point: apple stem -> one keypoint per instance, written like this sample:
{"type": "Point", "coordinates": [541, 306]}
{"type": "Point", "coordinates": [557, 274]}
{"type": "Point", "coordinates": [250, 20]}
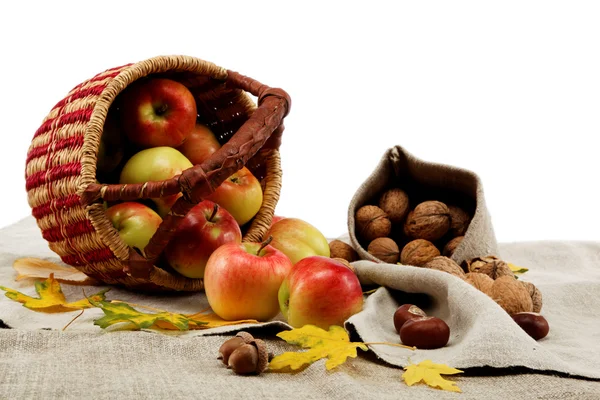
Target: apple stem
{"type": "Point", "coordinates": [214, 212]}
{"type": "Point", "coordinates": [264, 244]}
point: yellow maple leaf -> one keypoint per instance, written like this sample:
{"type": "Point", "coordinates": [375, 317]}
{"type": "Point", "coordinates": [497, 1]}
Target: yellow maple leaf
{"type": "Point", "coordinates": [334, 345]}
{"type": "Point", "coordinates": [36, 268]}
{"type": "Point", "coordinates": [517, 270]}
{"type": "Point", "coordinates": [431, 374]}
{"type": "Point", "coordinates": [51, 298]}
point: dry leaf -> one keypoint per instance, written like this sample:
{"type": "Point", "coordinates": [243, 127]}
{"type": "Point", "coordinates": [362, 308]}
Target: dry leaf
{"type": "Point", "coordinates": [334, 345]}
{"type": "Point", "coordinates": [51, 298]}
{"type": "Point", "coordinates": [119, 312]}
{"type": "Point", "coordinates": [430, 373]}
{"type": "Point", "coordinates": [517, 270]}
{"type": "Point", "coordinates": [36, 268]}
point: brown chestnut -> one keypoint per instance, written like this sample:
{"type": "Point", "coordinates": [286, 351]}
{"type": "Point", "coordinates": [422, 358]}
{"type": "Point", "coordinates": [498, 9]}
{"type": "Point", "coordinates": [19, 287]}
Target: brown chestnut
{"type": "Point", "coordinates": [406, 312]}
{"type": "Point", "coordinates": [534, 324]}
{"type": "Point", "coordinates": [425, 333]}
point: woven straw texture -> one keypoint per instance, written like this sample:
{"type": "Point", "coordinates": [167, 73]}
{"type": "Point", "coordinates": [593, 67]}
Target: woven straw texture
{"type": "Point", "coordinates": [66, 199]}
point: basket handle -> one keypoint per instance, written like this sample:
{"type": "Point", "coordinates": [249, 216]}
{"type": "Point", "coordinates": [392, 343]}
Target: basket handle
{"type": "Point", "coordinates": [262, 130]}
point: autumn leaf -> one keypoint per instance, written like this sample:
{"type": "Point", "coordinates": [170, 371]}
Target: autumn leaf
{"type": "Point", "coordinates": [334, 345]}
{"type": "Point", "coordinates": [36, 268]}
{"type": "Point", "coordinates": [430, 373]}
{"type": "Point", "coordinates": [517, 270]}
{"type": "Point", "coordinates": [119, 312]}
{"type": "Point", "coordinates": [51, 298]}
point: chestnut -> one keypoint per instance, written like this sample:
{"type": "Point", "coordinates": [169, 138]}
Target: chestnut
{"type": "Point", "coordinates": [425, 333]}
{"type": "Point", "coordinates": [406, 312]}
{"type": "Point", "coordinates": [534, 324]}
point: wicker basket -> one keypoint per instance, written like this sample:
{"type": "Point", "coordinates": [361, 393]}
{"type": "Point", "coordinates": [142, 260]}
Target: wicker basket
{"type": "Point", "coordinates": [67, 201]}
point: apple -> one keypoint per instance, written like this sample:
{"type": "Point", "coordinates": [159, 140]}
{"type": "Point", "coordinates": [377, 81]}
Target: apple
{"type": "Point", "coordinates": [135, 222]}
{"type": "Point", "coordinates": [241, 281]}
{"type": "Point", "coordinates": [157, 112]}
{"type": "Point", "coordinates": [205, 227]}
{"type": "Point", "coordinates": [240, 194]}
{"type": "Point", "coordinates": [156, 164]}
{"type": "Point", "coordinates": [200, 144]}
{"type": "Point", "coordinates": [275, 219]}
{"type": "Point", "coordinates": [298, 239]}
{"type": "Point", "coordinates": [320, 291]}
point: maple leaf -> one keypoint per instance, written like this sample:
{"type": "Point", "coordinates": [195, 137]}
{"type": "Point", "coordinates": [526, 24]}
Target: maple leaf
{"type": "Point", "coordinates": [51, 298]}
{"type": "Point", "coordinates": [36, 268]}
{"type": "Point", "coordinates": [430, 373]}
{"type": "Point", "coordinates": [119, 311]}
{"type": "Point", "coordinates": [517, 270]}
{"type": "Point", "coordinates": [334, 345]}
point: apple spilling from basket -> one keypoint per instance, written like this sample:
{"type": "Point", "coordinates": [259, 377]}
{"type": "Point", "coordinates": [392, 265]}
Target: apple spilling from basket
{"type": "Point", "coordinates": [152, 134]}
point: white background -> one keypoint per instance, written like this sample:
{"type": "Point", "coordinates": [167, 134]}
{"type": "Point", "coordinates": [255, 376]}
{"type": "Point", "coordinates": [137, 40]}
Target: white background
{"type": "Point", "coordinates": [507, 89]}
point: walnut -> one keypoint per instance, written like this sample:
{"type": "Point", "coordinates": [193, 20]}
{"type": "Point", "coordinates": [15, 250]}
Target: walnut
{"type": "Point", "coordinates": [445, 264]}
{"type": "Point", "coordinates": [451, 246]}
{"type": "Point", "coordinates": [489, 265]}
{"type": "Point", "coordinates": [395, 203]}
{"type": "Point", "coordinates": [372, 222]}
{"type": "Point", "coordinates": [384, 249]}
{"type": "Point", "coordinates": [459, 221]}
{"type": "Point", "coordinates": [511, 295]}
{"type": "Point", "coordinates": [536, 295]}
{"type": "Point", "coordinates": [346, 264]}
{"type": "Point", "coordinates": [430, 220]}
{"type": "Point", "coordinates": [418, 252]}
{"type": "Point", "coordinates": [339, 249]}
{"type": "Point", "coordinates": [482, 282]}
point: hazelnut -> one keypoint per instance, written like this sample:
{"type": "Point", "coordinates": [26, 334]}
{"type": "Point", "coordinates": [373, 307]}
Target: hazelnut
{"type": "Point", "coordinates": [339, 249]}
{"type": "Point", "coordinates": [395, 203]}
{"type": "Point", "coordinates": [231, 344]}
{"type": "Point", "coordinates": [459, 221]}
{"type": "Point", "coordinates": [418, 252]}
{"type": "Point", "coordinates": [536, 295]}
{"type": "Point", "coordinates": [492, 266]}
{"type": "Point", "coordinates": [445, 264]}
{"type": "Point", "coordinates": [482, 282]}
{"type": "Point", "coordinates": [384, 249]}
{"type": "Point", "coordinates": [430, 220]}
{"type": "Point", "coordinates": [406, 312]}
{"type": "Point", "coordinates": [372, 222]}
{"type": "Point", "coordinates": [533, 323]}
{"type": "Point", "coordinates": [511, 295]}
{"type": "Point", "coordinates": [451, 246]}
{"type": "Point", "coordinates": [425, 333]}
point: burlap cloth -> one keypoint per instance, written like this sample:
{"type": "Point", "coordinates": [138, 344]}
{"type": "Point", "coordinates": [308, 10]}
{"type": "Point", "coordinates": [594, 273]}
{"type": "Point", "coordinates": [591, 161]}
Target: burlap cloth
{"type": "Point", "coordinates": [39, 360]}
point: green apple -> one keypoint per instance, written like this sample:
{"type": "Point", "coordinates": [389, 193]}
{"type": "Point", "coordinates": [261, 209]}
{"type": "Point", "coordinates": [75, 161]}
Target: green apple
{"type": "Point", "coordinates": [135, 222]}
{"type": "Point", "coordinates": [298, 239]}
{"type": "Point", "coordinates": [156, 164]}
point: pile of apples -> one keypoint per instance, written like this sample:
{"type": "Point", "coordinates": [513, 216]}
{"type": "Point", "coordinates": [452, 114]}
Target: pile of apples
{"type": "Point", "coordinates": [152, 133]}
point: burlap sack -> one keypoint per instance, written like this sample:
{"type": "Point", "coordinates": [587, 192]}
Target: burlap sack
{"type": "Point", "coordinates": [428, 181]}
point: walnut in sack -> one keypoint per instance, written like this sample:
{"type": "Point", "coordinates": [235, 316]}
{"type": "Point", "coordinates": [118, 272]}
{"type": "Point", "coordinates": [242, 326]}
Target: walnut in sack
{"type": "Point", "coordinates": [395, 203]}
{"type": "Point", "coordinates": [459, 220]}
{"type": "Point", "coordinates": [445, 264]}
{"type": "Point", "coordinates": [451, 246]}
{"type": "Point", "coordinates": [418, 252]}
{"type": "Point", "coordinates": [339, 249]}
{"type": "Point", "coordinates": [479, 281]}
{"type": "Point", "coordinates": [511, 295]}
{"type": "Point", "coordinates": [372, 222]}
{"type": "Point", "coordinates": [384, 249]}
{"type": "Point", "coordinates": [430, 220]}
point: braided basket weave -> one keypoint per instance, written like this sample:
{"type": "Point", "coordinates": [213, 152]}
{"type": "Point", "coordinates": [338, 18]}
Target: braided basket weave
{"type": "Point", "coordinates": [67, 201]}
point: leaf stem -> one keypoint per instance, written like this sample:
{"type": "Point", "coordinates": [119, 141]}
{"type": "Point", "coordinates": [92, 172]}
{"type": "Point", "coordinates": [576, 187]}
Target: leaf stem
{"type": "Point", "coordinates": [391, 344]}
{"type": "Point", "coordinates": [73, 320]}
{"type": "Point", "coordinates": [141, 306]}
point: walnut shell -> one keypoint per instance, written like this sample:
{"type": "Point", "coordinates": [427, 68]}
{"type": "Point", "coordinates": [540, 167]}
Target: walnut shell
{"type": "Point", "coordinates": [445, 264]}
{"type": "Point", "coordinates": [536, 296]}
{"type": "Point", "coordinates": [418, 252]}
{"type": "Point", "coordinates": [430, 220]}
{"type": "Point", "coordinates": [459, 221]}
{"type": "Point", "coordinates": [372, 222]}
{"type": "Point", "coordinates": [482, 282]}
{"type": "Point", "coordinates": [492, 266]}
{"type": "Point", "coordinates": [511, 295]}
{"type": "Point", "coordinates": [395, 203]}
{"type": "Point", "coordinates": [339, 249]}
{"type": "Point", "coordinates": [346, 264]}
{"type": "Point", "coordinates": [384, 249]}
{"type": "Point", "coordinates": [451, 246]}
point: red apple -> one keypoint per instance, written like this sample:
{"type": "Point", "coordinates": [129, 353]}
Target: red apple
{"type": "Point", "coordinates": [320, 291]}
{"type": "Point", "coordinates": [199, 145]}
{"type": "Point", "coordinates": [155, 164]}
{"type": "Point", "coordinates": [298, 239]}
{"type": "Point", "coordinates": [135, 222]}
{"type": "Point", "coordinates": [275, 219]}
{"type": "Point", "coordinates": [241, 281]}
{"type": "Point", "coordinates": [205, 227]}
{"type": "Point", "coordinates": [240, 194]}
{"type": "Point", "coordinates": [158, 112]}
